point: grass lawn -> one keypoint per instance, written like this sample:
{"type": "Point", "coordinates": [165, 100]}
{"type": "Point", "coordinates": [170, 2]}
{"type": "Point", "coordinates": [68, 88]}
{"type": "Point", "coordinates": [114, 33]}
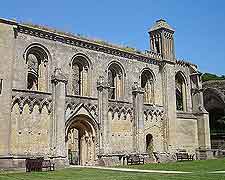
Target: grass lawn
{"type": "Point", "coordinates": [200, 171]}
{"type": "Point", "coordinates": [189, 166]}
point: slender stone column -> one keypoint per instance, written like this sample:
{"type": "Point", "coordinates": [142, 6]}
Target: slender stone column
{"type": "Point", "coordinates": [138, 123]}
{"type": "Point", "coordinates": [105, 124]}
{"type": "Point", "coordinates": [169, 103]}
{"type": "Point", "coordinates": [58, 124]}
{"type": "Point", "coordinates": [200, 112]}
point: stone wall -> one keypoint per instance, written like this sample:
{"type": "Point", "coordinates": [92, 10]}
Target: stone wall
{"type": "Point", "coordinates": [122, 134]}
{"type": "Point", "coordinates": [187, 133]}
{"type": "Point", "coordinates": [30, 131]}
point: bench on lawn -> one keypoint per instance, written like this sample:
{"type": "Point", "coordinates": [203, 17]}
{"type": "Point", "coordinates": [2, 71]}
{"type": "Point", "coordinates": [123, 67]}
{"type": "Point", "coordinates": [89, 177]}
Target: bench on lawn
{"type": "Point", "coordinates": [135, 159]}
{"type": "Point", "coordinates": [48, 165]}
{"type": "Point", "coordinates": [37, 164]}
{"type": "Point", "coordinates": [184, 156]}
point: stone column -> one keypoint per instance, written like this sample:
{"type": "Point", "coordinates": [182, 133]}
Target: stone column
{"type": "Point", "coordinates": [85, 81]}
{"type": "Point", "coordinates": [58, 124]}
{"type": "Point", "coordinates": [200, 113]}
{"type": "Point", "coordinates": [105, 124]}
{"type": "Point", "coordinates": [138, 123]}
{"type": "Point", "coordinates": [169, 103]}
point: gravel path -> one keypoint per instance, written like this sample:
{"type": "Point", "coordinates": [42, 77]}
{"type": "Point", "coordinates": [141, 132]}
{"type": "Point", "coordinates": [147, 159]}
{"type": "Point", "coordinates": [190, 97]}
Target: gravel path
{"type": "Point", "coordinates": [133, 170]}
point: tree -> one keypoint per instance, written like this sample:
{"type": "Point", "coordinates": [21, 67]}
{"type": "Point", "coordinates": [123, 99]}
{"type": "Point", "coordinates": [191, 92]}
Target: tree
{"type": "Point", "coordinates": [209, 77]}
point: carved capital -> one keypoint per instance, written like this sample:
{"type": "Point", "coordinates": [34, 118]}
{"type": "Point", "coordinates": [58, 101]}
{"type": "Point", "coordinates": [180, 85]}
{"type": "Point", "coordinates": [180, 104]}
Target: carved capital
{"type": "Point", "coordinates": [136, 89]}
{"type": "Point", "coordinates": [59, 76]}
{"type": "Point", "coordinates": [102, 84]}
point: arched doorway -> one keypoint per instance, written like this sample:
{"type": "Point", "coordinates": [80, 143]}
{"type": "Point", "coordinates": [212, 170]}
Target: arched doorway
{"type": "Point", "coordinates": [215, 105]}
{"type": "Point", "coordinates": [81, 141]}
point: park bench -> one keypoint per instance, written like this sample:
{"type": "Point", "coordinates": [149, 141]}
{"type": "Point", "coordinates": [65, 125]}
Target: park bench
{"type": "Point", "coordinates": [37, 164]}
{"type": "Point", "coordinates": [48, 165]}
{"type": "Point", "coordinates": [135, 159]}
{"type": "Point", "coordinates": [184, 156]}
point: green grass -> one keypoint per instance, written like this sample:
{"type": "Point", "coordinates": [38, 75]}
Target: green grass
{"type": "Point", "coordinates": [200, 171]}
{"type": "Point", "coordinates": [189, 166]}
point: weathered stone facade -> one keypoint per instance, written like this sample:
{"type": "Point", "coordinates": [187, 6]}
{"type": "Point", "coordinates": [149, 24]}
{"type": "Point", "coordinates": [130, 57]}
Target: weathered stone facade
{"type": "Point", "coordinates": [214, 102]}
{"type": "Point", "coordinates": [68, 98]}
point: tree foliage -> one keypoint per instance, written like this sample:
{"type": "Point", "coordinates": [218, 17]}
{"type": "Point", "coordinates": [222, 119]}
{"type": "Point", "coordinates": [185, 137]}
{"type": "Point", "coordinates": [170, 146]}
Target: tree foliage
{"type": "Point", "coordinates": [209, 76]}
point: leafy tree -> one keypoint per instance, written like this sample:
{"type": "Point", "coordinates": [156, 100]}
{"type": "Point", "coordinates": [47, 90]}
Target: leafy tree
{"type": "Point", "coordinates": [209, 76]}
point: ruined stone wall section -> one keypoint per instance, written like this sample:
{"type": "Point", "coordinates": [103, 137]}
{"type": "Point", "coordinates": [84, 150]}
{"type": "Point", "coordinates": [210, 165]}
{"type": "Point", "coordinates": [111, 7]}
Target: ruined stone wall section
{"type": "Point", "coordinates": [30, 131]}
{"type": "Point", "coordinates": [31, 115]}
{"type": "Point", "coordinates": [187, 134]}
{"type": "Point", "coordinates": [121, 133]}
{"type": "Point", "coordinates": [155, 125]}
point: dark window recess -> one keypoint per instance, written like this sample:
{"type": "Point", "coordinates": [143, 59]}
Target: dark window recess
{"type": "Point", "coordinates": [157, 47]}
{"type": "Point", "coordinates": [1, 84]}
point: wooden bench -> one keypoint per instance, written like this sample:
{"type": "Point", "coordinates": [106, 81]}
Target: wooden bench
{"type": "Point", "coordinates": [135, 159]}
{"type": "Point", "coordinates": [33, 164]}
{"type": "Point", "coordinates": [37, 164]}
{"type": "Point", "coordinates": [184, 156]}
{"type": "Point", "coordinates": [48, 165]}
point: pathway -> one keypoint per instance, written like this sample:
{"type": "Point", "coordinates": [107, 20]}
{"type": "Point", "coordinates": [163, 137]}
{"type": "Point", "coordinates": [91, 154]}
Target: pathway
{"type": "Point", "coordinates": [133, 170]}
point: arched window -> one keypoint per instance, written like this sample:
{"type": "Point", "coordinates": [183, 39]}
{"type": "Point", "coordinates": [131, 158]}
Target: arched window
{"type": "Point", "coordinates": [180, 92]}
{"type": "Point", "coordinates": [80, 76]}
{"type": "Point", "coordinates": [36, 59]}
{"type": "Point", "coordinates": [115, 81]}
{"type": "Point", "coordinates": [148, 86]}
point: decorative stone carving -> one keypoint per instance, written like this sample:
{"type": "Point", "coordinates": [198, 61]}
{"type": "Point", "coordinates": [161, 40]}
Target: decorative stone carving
{"type": "Point", "coordinates": [25, 97]}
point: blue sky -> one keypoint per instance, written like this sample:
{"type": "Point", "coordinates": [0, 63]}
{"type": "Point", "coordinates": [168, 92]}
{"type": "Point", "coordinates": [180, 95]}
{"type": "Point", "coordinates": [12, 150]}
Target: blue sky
{"type": "Point", "coordinates": [199, 24]}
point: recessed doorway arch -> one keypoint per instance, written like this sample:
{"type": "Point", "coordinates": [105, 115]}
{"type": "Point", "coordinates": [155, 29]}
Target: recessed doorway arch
{"type": "Point", "coordinates": [214, 102]}
{"type": "Point", "coordinates": [81, 136]}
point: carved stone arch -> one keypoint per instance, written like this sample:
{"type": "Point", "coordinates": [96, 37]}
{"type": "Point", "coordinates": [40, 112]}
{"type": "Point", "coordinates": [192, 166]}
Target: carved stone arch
{"type": "Point", "coordinates": [38, 60]}
{"type": "Point", "coordinates": [116, 80]}
{"type": "Point", "coordinates": [181, 73]}
{"type": "Point", "coordinates": [214, 103]}
{"type": "Point", "coordinates": [181, 91]}
{"type": "Point", "coordinates": [150, 71]}
{"type": "Point", "coordinates": [124, 112]}
{"type": "Point", "coordinates": [84, 56]}
{"type": "Point", "coordinates": [118, 64]}
{"type": "Point", "coordinates": [210, 93]}
{"type": "Point", "coordinates": [36, 102]}
{"type": "Point", "coordinates": [38, 46]}
{"type": "Point", "coordinates": [82, 110]}
{"type": "Point", "coordinates": [28, 101]}
{"type": "Point", "coordinates": [17, 100]}
{"type": "Point", "coordinates": [29, 105]}
{"type": "Point", "coordinates": [112, 111]}
{"type": "Point", "coordinates": [147, 82]}
{"type": "Point", "coordinates": [46, 102]}
{"type": "Point", "coordinates": [80, 77]}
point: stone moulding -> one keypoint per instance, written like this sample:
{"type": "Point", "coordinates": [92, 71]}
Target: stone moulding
{"type": "Point", "coordinates": [32, 98]}
{"type": "Point", "coordinates": [120, 107]}
{"type": "Point", "coordinates": [150, 57]}
{"type": "Point", "coordinates": [72, 102]}
{"type": "Point", "coordinates": [186, 115]}
{"type": "Point", "coordinates": [185, 63]}
{"type": "Point", "coordinates": [153, 110]}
